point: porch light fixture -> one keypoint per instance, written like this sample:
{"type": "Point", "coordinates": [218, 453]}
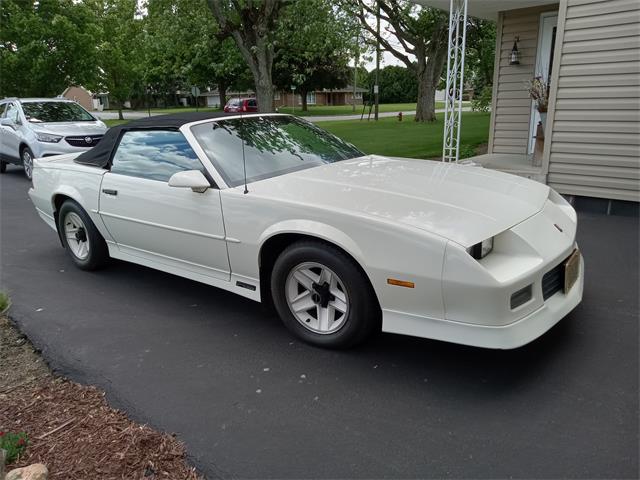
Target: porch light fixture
{"type": "Point", "coordinates": [515, 54]}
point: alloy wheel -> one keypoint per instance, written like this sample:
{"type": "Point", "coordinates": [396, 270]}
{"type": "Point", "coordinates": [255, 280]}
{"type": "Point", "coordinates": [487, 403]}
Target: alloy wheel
{"type": "Point", "coordinates": [317, 298]}
{"type": "Point", "coordinates": [27, 162]}
{"type": "Point", "coordinates": [76, 234]}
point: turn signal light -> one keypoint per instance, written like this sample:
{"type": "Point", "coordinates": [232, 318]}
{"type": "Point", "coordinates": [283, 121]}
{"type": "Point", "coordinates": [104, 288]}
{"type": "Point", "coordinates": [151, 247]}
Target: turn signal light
{"type": "Point", "coordinates": [400, 283]}
{"type": "Point", "coordinates": [521, 297]}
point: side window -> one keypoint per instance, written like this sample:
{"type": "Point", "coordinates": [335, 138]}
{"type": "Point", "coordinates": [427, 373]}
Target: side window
{"type": "Point", "coordinates": [253, 103]}
{"type": "Point", "coordinates": [11, 112]}
{"type": "Point", "coordinates": [154, 154]}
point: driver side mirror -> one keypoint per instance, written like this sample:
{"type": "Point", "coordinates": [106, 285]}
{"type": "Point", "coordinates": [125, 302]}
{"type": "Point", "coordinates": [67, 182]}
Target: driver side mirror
{"type": "Point", "coordinates": [193, 179]}
{"type": "Point", "coordinates": [7, 122]}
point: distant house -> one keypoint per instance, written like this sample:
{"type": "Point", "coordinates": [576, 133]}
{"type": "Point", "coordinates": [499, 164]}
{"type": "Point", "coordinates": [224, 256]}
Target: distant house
{"type": "Point", "coordinates": [336, 96]}
{"type": "Point", "coordinates": [90, 101]}
{"type": "Point", "coordinates": [80, 95]}
{"type": "Point", "coordinates": [588, 51]}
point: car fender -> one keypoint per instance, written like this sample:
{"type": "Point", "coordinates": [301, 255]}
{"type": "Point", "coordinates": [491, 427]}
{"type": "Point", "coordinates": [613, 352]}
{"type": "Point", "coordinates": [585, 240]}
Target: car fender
{"type": "Point", "coordinates": [317, 229]}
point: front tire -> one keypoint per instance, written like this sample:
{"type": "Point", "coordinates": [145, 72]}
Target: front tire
{"type": "Point", "coordinates": [322, 296]}
{"type": "Point", "coordinates": [3, 166]}
{"type": "Point", "coordinates": [27, 162]}
{"type": "Point", "coordinates": [81, 238]}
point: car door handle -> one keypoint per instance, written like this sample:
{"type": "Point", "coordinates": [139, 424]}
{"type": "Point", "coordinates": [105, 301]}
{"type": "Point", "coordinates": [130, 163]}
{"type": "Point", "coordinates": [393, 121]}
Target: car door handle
{"type": "Point", "coordinates": [108, 191]}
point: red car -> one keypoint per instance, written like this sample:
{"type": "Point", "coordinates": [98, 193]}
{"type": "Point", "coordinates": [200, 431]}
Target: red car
{"type": "Point", "coordinates": [241, 105]}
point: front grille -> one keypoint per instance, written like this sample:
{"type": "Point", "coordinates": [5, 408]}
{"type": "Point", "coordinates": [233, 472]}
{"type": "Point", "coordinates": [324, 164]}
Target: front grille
{"type": "Point", "coordinates": [553, 281]}
{"type": "Point", "coordinates": [81, 141]}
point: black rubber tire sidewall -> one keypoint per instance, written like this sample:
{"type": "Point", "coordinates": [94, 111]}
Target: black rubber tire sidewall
{"type": "Point", "coordinates": [98, 250]}
{"type": "Point", "coordinates": [3, 166]}
{"type": "Point", "coordinates": [364, 312]}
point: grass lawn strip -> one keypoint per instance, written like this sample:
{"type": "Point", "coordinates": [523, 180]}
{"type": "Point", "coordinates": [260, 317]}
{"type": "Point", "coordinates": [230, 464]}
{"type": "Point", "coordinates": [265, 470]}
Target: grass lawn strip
{"type": "Point", "coordinates": [71, 428]}
{"type": "Point", "coordinates": [409, 139]}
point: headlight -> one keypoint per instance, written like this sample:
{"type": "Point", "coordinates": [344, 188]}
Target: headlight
{"type": "Point", "coordinates": [482, 249]}
{"type": "Point", "coordinates": [48, 137]}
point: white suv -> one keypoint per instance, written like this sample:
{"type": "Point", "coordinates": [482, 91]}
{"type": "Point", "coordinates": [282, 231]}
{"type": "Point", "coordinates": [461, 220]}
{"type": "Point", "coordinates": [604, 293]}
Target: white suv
{"type": "Point", "coordinates": [41, 127]}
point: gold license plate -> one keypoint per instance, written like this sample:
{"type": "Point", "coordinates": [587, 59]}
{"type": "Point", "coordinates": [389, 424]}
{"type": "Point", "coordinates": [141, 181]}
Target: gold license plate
{"type": "Point", "coordinates": [571, 270]}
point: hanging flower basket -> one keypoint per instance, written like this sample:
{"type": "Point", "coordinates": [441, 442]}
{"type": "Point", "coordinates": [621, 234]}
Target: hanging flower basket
{"type": "Point", "coordinates": [538, 90]}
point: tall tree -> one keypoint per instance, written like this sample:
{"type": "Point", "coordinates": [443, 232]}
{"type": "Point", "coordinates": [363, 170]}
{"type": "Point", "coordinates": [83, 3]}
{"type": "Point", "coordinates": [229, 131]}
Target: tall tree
{"type": "Point", "coordinates": [397, 84]}
{"type": "Point", "coordinates": [480, 53]}
{"type": "Point", "coordinates": [252, 25]}
{"type": "Point", "coordinates": [183, 48]}
{"type": "Point", "coordinates": [45, 46]}
{"type": "Point", "coordinates": [316, 42]}
{"type": "Point", "coordinates": [421, 32]}
{"type": "Point", "coordinates": [118, 49]}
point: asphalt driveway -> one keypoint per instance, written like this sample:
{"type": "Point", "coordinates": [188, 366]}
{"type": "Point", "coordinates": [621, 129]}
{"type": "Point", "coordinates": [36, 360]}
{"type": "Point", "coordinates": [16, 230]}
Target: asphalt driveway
{"type": "Point", "coordinates": [249, 401]}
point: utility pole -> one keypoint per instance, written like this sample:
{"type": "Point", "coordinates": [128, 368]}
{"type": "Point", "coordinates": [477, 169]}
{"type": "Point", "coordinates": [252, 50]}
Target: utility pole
{"type": "Point", "coordinates": [355, 71]}
{"type": "Point", "coordinates": [376, 87]}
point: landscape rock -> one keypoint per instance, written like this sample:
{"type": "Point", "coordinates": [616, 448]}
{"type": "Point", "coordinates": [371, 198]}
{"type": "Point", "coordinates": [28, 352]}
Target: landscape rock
{"type": "Point", "coordinates": [37, 471]}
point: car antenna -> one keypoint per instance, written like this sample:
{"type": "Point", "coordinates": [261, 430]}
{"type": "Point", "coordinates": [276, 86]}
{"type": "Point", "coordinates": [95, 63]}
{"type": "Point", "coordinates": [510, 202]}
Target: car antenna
{"type": "Point", "coordinates": [244, 161]}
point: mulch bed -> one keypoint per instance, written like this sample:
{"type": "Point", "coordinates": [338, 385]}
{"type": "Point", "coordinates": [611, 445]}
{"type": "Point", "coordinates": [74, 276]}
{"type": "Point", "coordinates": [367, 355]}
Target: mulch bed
{"type": "Point", "coordinates": [72, 429]}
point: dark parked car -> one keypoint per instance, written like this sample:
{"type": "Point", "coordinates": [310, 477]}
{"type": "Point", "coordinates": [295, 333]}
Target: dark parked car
{"type": "Point", "coordinates": [241, 105]}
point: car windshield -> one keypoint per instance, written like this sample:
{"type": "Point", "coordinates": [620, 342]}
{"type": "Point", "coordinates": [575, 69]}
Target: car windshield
{"type": "Point", "coordinates": [37, 112]}
{"type": "Point", "coordinates": [273, 145]}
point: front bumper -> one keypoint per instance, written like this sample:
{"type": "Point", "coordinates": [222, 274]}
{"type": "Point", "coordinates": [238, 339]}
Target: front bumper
{"type": "Point", "coordinates": [504, 337]}
{"type": "Point", "coordinates": [45, 149]}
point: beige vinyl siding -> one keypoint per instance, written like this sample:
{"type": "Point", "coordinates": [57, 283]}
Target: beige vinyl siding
{"type": "Point", "coordinates": [595, 142]}
{"type": "Point", "coordinates": [511, 109]}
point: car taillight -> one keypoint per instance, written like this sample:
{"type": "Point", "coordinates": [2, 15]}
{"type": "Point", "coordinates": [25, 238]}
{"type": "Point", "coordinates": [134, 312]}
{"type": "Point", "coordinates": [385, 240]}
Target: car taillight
{"type": "Point", "coordinates": [244, 108]}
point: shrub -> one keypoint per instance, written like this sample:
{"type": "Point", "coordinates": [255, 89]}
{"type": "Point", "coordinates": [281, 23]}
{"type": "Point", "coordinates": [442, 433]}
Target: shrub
{"type": "Point", "coordinates": [14, 444]}
{"type": "Point", "coordinates": [4, 301]}
{"type": "Point", "coordinates": [466, 151]}
{"type": "Point", "coordinates": [482, 103]}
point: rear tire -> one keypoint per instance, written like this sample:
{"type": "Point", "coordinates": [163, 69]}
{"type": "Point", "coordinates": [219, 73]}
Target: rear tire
{"type": "Point", "coordinates": [81, 238]}
{"type": "Point", "coordinates": [3, 166]}
{"type": "Point", "coordinates": [322, 296]}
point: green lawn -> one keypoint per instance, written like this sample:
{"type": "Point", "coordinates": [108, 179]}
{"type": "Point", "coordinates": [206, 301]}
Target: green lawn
{"type": "Point", "coordinates": [113, 123]}
{"type": "Point", "coordinates": [408, 138]}
{"type": "Point", "coordinates": [313, 109]}
{"type": "Point", "coordinates": [348, 109]}
{"type": "Point", "coordinates": [390, 137]}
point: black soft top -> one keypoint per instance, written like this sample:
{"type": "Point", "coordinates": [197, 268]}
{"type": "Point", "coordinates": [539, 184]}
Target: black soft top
{"type": "Point", "coordinates": [100, 155]}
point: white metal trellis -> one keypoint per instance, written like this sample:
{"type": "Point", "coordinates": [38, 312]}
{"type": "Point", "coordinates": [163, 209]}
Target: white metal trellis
{"type": "Point", "coordinates": [455, 80]}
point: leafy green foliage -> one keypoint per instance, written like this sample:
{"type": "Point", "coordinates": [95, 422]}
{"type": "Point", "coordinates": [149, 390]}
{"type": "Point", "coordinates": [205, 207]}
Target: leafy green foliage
{"type": "Point", "coordinates": [4, 301]}
{"type": "Point", "coordinates": [315, 43]}
{"type": "Point", "coordinates": [397, 84]}
{"type": "Point", "coordinates": [14, 444]}
{"type": "Point", "coordinates": [119, 47]}
{"type": "Point", "coordinates": [480, 53]}
{"type": "Point", "coordinates": [482, 102]}
{"type": "Point", "coordinates": [182, 49]}
{"type": "Point", "coordinates": [45, 46]}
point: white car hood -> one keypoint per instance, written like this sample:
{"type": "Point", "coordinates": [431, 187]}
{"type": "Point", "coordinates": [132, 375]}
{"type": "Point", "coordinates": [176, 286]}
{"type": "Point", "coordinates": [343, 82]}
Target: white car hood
{"type": "Point", "coordinates": [465, 204]}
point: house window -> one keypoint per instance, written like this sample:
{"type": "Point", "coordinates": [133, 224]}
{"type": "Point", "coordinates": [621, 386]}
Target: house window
{"type": "Point", "coordinates": [311, 98]}
{"type": "Point", "coordinates": [358, 95]}
{"type": "Point", "coordinates": [276, 95]}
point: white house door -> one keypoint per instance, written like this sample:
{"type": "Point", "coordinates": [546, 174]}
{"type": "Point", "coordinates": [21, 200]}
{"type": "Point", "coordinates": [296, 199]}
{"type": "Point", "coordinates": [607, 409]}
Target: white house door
{"type": "Point", "coordinates": [544, 63]}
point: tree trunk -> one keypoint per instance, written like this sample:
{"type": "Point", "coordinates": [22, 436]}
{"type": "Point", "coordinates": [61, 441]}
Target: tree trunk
{"type": "Point", "coordinates": [120, 117]}
{"type": "Point", "coordinates": [428, 73]}
{"type": "Point", "coordinates": [303, 98]}
{"type": "Point", "coordinates": [222, 90]}
{"type": "Point", "coordinates": [264, 96]}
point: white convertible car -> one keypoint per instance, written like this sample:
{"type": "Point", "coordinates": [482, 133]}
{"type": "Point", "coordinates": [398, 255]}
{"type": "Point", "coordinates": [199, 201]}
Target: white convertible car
{"type": "Point", "coordinates": [273, 208]}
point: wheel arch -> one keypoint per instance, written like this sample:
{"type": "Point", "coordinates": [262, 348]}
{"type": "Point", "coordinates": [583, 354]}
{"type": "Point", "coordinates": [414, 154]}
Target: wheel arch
{"type": "Point", "coordinates": [21, 148]}
{"type": "Point", "coordinates": [57, 200]}
{"type": "Point", "coordinates": [273, 245]}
